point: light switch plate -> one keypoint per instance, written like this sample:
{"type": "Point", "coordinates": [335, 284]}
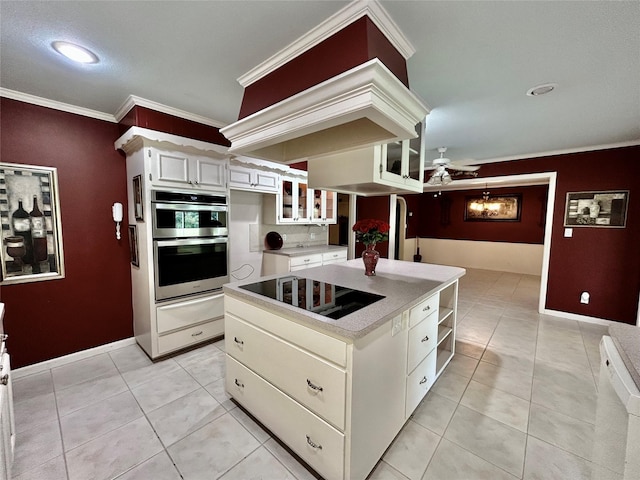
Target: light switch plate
{"type": "Point", "coordinates": [568, 232]}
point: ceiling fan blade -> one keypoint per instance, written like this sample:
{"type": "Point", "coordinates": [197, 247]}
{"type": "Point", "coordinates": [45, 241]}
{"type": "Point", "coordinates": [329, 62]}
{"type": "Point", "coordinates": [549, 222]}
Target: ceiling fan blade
{"type": "Point", "coordinates": [463, 168]}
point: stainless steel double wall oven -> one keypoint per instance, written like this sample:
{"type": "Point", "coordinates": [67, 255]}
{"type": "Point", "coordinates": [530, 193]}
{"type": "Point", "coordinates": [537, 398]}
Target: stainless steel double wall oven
{"type": "Point", "coordinates": [190, 242]}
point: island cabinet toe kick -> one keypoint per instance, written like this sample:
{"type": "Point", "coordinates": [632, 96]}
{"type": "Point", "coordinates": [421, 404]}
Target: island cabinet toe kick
{"type": "Point", "coordinates": [337, 402]}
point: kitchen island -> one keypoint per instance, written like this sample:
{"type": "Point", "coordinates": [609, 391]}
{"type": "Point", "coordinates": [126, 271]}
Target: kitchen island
{"type": "Point", "coordinates": [334, 362]}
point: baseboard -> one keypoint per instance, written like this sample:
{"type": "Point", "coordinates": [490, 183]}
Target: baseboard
{"type": "Point", "coordinates": [72, 357]}
{"type": "Point", "coordinates": [580, 318]}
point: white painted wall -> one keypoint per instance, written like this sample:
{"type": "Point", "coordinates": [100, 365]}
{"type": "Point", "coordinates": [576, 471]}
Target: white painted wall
{"type": "Point", "coordinates": [520, 258]}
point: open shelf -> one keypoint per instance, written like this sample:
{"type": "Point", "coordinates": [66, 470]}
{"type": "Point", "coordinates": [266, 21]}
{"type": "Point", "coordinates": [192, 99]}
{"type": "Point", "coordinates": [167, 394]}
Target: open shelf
{"type": "Point", "coordinates": [442, 359]}
{"type": "Point", "coordinates": [444, 313]}
{"type": "Point", "coordinates": [443, 333]}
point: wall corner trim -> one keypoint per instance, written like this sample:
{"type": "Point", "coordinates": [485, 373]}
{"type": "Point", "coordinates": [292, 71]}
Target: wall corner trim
{"type": "Point", "coordinates": [72, 357]}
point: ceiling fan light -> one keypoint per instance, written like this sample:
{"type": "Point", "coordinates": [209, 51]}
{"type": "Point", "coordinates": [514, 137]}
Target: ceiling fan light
{"type": "Point", "coordinates": [446, 178]}
{"type": "Point", "coordinates": [434, 180]}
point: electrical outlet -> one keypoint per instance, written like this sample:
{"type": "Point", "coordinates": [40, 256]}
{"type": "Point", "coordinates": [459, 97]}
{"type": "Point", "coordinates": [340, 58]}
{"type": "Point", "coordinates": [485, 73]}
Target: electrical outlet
{"type": "Point", "coordinates": [584, 297]}
{"type": "Point", "coordinates": [284, 237]}
{"type": "Point", "coordinates": [396, 325]}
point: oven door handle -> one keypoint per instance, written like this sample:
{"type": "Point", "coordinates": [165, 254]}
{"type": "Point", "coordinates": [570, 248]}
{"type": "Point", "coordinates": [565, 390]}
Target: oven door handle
{"type": "Point", "coordinates": [189, 206]}
{"type": "Point", "coordinates": [190, 241]}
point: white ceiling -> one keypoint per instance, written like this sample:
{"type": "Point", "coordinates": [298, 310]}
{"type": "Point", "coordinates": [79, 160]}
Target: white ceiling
{"type": "Point", "coordinates": [474, 61]}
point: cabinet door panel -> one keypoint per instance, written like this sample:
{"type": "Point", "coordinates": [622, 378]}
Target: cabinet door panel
{"type": "Point", "coordinates": [267, 180]}
{"type": "Point", "coordinates": [172, 168]}
{"type": "Point", "coordinates": [313, 382]}
{"type": "Point", "coordinates": [422, 339]}
{"type": "Point", "coordinates": [423, 310]}
{"type": "Point", "coordinates": [210, 173]}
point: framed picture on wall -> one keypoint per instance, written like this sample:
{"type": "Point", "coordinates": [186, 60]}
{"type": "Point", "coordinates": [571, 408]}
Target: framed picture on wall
{"type": "Point", "coordinates": [488, 208]}
{"type": "Point", "coordinates": [597, 209]}
{"type": "Point", "coordinates": [137, 198]}
{"type": "Point", "coordinates": [133, 245]}
{"type": "Point", "coordinates": [31, 247]}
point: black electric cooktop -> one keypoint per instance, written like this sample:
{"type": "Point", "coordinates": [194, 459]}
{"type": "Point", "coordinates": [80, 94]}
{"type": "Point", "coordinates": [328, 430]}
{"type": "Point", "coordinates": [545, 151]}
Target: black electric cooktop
{"type": "Point", "coordinates": [330, 300]}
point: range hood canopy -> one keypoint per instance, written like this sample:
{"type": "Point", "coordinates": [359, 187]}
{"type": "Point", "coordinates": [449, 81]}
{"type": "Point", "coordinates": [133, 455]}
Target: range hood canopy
{"type": "Point", "coordinates": [364, 105]}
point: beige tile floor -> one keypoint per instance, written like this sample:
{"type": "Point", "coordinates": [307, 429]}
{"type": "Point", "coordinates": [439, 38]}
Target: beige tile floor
{"type": "Point", "coordinates": [517, 401]}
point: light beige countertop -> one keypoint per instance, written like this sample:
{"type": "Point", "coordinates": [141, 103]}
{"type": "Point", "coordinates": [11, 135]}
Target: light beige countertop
{"type": "Point", "coordinates": [404, 284]}
{"type": "Point", "coordinates": [300, 251]}
{"type": "Point", "coordinates": [627, 340]}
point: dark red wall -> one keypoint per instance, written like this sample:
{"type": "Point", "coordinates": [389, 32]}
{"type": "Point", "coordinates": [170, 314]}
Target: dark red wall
{"type": "Point", "coordinates": [443, 217]}
{"type": "Point", "coordinates": [376, 208]}
{"type": "Point", "coordinates": [144, 117]}
{"type": "Point", "coordinates": [91, 306]}
{"type": "Point", "coordinates": [352, 46]}
{"type": "Point", "coordinates": [602, 261]}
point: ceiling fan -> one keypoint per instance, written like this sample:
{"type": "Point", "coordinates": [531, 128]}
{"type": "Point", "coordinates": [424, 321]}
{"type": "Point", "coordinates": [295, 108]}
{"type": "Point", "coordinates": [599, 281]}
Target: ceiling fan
{"type": "Point", "coordinates": [442, 165]}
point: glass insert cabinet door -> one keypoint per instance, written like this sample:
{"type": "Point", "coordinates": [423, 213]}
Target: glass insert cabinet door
{"type": "Point", "coordinates": [404, 159]}
{"type": "Point", "coordinates": [294, 200]}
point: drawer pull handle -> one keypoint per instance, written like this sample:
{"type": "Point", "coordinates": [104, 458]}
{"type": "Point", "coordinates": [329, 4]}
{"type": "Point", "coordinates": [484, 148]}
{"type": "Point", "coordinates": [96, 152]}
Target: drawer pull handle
{"type": "Point", "coordinates": [4, 379]}
{"type": "Point", "coordinates": [314, 387]}
{"type": "Point", "coordinates": [427, 308]}
{"type": "Point", "coordinates": [317, 446]}
{"type": "Point", "coordinates": [424, 380]}
{"type": "Point", "coordinates": [196, 334]}
{"type": "Point", "coordinates": [425, 339]}
{"type": "Point", "coordinates": [239, 384]}
{"type": "Point", "coordinates": [239, 342]}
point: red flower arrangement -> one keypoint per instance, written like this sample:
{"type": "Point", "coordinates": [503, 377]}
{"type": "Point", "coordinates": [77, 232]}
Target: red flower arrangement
{"type": "Point", "coordinates": [371, 231]}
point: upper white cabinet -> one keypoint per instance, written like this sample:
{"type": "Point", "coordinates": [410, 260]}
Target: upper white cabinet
{"type": "Point", "coordinates": [253, 179]}
{"type": "Point", "coordinates": [173, 168]}
{"type": "Point", "coordinates": [296, 203]}
{"type": "Point", "coordinates": [396, 167]}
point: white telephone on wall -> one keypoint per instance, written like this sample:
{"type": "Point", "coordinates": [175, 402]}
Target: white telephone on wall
{"type": "Point", "coordinates": [117, 212]}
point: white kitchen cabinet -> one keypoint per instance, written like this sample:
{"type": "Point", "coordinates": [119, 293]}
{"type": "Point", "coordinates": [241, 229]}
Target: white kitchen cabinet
{"type": "Point", "coordinates": [178, 169]}
{"type": "Point", "coordinates": [297, 204]}
{"type": "Point", "coordinates": [283, 263]}
{"type": "Point", "coordinates": [447, 311]}
{"type": "Point", "coordinates": [169, 162]}
{"type": "Point", "coordinates": [253, 179]}
{"type": "Point", "coordinates": [7, 419]}
{"type": "Point", "coordinates": [337, 403]}
{"type": "Point", "coordinates": [396, 167]}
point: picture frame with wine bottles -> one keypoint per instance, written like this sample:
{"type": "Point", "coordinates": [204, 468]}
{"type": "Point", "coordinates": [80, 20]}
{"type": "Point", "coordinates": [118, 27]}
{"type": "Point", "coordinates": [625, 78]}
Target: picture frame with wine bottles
{"type": "Point", "coordinates": [31, 231]}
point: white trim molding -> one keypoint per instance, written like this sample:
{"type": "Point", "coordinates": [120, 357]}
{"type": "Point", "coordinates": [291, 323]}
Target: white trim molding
{"type": "Point", "coordinates": [130, 141]}
{"type": "Point", "coordinates": [133, 101]}
{"type": "Point", "coordinates": [579, 318]}
{"type": "Point", "coordinates": [349, 14]}
{"type": "Point", "coordinates": [55, 105]}
{"type": "Point", "coordinates": [72, 357]}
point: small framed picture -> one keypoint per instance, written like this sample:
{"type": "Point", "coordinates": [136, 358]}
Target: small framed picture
{"type": "Point", "coordinates": [133, 245]}
{"type": "Point", "coordinates": [502, 208]}
{"type": "Point", "coordinates": [597, 209]}
{"type": "Point", "coordinates": [137, 198]}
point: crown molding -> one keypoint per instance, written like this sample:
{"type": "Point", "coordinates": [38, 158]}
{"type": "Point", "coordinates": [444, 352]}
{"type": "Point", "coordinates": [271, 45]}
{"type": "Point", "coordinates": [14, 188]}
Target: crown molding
{"type": "Point", "coordinates": [55, 105]}
{"type": "Point", "coordinates": [349, 14]}
{"type": "Point", "coordinates": [551, 153]}
{"type": "Point", "coordinates": [133, 101]}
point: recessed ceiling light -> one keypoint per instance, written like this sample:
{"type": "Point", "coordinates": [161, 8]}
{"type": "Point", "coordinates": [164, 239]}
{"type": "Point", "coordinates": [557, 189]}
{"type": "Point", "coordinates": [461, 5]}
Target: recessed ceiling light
{"type": "Point", "coordinates": [75, 52]}
{"type": "Point", "coordinates": [541, 89]}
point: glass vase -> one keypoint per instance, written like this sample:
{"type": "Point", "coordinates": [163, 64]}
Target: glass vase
{"type": "Point", "coordinates": [370, 258]}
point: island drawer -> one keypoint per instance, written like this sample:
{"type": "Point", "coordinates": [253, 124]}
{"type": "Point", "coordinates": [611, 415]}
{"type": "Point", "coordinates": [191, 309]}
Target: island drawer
{"type": "Point", "coordinates": [186, 313]}
{"type": "Point", "coordinates": [422, 339]}
{"type": "Point", "coordinates": [315, 441]}
{"type": "Point", "coordinates": [312, 381]}
{"type": "Point", "coordinates": [190, 336]}
{"type": "Point", "coordinates": [419, 382]}
{"type": "Point", "coordinates": [423, 310]}
{"type": "Point", "coordinates": [324, 346]}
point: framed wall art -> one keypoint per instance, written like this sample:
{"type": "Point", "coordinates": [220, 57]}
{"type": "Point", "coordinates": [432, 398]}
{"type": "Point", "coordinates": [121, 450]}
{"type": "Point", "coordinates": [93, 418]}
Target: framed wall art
{"type": "Point", "coordinates": [597, 209]}
{"type": "Point", "coordinates": [137, 198]}
{"type": "Point", "coordinates": [133, 245]}
{"type": "Point", "coordinates": [31, 247]}
{"type": "Point", "coordinates": [487, 208]}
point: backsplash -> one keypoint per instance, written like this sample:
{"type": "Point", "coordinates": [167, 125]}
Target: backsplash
{"type": "Point", "coordinates": [292, 235]}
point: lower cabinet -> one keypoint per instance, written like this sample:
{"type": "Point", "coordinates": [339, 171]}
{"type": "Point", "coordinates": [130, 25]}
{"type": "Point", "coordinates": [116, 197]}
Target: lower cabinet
{"type": "Point", "coordinates": [337, 403]}
{"type": "Point", "coordinates": [278, 263]}
{"type": "Point", "coordinates": [164, 328]}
